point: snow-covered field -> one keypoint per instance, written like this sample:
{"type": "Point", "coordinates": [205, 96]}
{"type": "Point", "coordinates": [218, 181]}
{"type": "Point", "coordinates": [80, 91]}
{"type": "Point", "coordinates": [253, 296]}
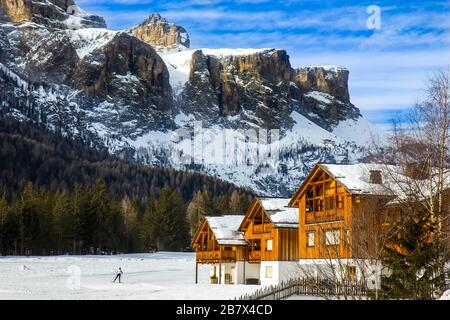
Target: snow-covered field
{"type": "Point", "coordinates": [161, 275]}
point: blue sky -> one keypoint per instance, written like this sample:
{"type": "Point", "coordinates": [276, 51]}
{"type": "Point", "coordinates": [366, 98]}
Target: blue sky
{"type": "Point", "coordinates": [389, 67]}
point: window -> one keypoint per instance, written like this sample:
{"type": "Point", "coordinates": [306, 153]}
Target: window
{"type": "Point", "coordinates": [332, 237]}
{"type": "Point", "coordinates": [330, 203]}
{"type": "Point", "coordinates": [347, 237]}
{"type": "Point", "coordinates": [268, 271]}
{"type": "Point", "coordinates": [269, 245]}
{"type": "Point", "coordinates": [310, 238]}
{"type": "Point", "coordinates": [256, 244]}
{"type": "Point", "coordinates": [340, 202]}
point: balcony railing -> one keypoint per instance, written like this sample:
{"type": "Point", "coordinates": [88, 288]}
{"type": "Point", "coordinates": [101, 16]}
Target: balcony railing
{"type": "Point", "coordinates": [254, 255]}
{"type": "Point", "coordinates": [262, 228]}
{"type": "Point", "coordinates": [210, 256]}
{"type": "Point", "coordinates": [324, 216]}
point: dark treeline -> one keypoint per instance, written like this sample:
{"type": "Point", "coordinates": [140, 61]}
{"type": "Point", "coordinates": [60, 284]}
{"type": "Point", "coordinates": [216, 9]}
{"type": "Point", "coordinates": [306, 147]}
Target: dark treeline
{"type": "Point", "coordinates": [59, 196]}
{"type": "Point", "coordinates": [31, 153]}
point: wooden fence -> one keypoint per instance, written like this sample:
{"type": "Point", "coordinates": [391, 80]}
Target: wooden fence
{"type": "Point", "coordinates": [308, 287]}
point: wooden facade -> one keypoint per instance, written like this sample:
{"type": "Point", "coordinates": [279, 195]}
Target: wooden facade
{"type": "Point", "coordinates": [267, 241]}
{"type": "Point", "coordinates": [209, 251]}
{"type": "Point", "coordinates": [335, 223]}
{"type": "Point", "coordinates": [339, 212]}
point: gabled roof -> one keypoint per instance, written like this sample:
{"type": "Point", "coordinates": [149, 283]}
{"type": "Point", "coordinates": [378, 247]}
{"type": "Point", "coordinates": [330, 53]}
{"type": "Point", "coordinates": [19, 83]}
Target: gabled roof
{"type": "Point", "coordinates": [225, 229]}
{"type": "Point", "coordinates": [355, 178]}
{"type": "Point", "coordinates": [277, 211]}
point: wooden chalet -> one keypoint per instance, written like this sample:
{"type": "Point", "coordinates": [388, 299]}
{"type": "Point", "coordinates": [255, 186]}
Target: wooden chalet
{"type": "Point", "coordinates": [271, 229]}
{"type": "Point", "coordinates": [219, 243]}
{"type": "Point", "coordinates": [338, 215]}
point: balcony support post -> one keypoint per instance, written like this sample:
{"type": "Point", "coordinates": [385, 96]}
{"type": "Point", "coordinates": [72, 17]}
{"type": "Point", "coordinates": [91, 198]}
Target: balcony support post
{"type": "Point", "coordinates": [196, 272]}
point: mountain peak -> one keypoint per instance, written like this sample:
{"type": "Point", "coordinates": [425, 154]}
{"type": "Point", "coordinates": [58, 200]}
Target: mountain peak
{"type": "Point", "coordinates": [153, 18]}
{"type": "Point", "coordinates": [161, 34]}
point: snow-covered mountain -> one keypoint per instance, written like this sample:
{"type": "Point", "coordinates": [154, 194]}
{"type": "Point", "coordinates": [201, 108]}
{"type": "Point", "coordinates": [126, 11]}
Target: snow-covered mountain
{"type": "Point", "coordinates": [255, 120]}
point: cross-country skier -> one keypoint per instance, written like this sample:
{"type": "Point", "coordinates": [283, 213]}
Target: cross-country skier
{"type": "Point", "coordinates": [119, 275]}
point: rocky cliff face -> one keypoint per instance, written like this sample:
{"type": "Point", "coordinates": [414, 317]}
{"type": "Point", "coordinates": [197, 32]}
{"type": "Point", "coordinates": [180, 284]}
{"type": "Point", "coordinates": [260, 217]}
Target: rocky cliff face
{"type": "Point", "coordinates": [128, 90]}
{"type": "Point", "coordinates": [330, 80]}
{"type": "Point", "coordinates": [259, 88]}
{"type": "Point", "coordinates": [58, 14]}
{"type": "Point", "coordinates": [161, 35]}
{"type": "Point", "coordinates": [251, 89]}
{"type": "Point", "coordinates": [87, 81]}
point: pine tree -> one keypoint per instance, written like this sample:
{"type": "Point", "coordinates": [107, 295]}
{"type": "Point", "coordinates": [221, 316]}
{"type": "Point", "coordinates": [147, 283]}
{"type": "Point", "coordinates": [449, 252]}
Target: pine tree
{"type": "Point", "coordinates": [130, 212]}
{"type": "Point", "coordinates": [235, 202]}
{"type": "Point", "coordinates": [223, 204]}
{"type": "Point", "coordinates": [238, 203]}
{"type": "Point", "coordinates": [171, 219]}
{"type": "Point", "coordinates": [411, 258]}
{"type": "Point", "coordinates": [62, 222]}
{"type": "Point", "coordinates": [149, 230]}
{"type": "Point", "coordinates": [194, 212]}
{"type": "Point", "coordinates": [77, 220]}
{"type": "Point", "coordinates": [28, 219]}
{"type": "Point", "coordinates": [4, 210]}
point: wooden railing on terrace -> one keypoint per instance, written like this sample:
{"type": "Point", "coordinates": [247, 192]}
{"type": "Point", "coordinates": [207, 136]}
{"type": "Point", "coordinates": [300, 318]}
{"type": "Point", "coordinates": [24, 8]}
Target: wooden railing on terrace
{"type": "Point", "coordinates": [254, 255]}
{"type": "Point", "coordinates": [217, 255]}
{"type": "Point", "coordinates": [324, 216]}
{"type": "Point", "coordinates": [262, 228]}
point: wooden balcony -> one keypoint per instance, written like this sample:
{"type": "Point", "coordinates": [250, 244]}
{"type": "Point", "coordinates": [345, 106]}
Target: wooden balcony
{"type": "Point", "coordinates": [262, 228]}
{"type": "Point", "coordinates": [254, 255]}
{"type": "Point", "coordinates": [215, 256]}
{"type": "Point", "coordinates": [324, 216]}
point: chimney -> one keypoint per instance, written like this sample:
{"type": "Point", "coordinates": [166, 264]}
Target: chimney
{"type": "Point", "coordinates": [375, 177]}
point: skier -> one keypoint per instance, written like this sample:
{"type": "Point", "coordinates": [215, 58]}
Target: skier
{"type": "Point", "coordinates": [119, 275]}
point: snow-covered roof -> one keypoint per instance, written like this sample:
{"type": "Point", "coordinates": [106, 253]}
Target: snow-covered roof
{"type": "Point", "coordinates": [356, 177]}
{"type": "Point", "coordinates": [225, 229]}
{"type": "Point", "coordinates": [279, 213]}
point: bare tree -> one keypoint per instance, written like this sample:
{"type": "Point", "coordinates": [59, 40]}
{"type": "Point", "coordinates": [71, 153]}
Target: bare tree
{"type": "Point", "coordinates": [420, 175]}
{"type": "Point", "coordinates": [417, 179]}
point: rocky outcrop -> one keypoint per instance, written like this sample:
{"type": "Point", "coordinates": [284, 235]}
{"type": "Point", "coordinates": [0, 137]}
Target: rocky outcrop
{"type": "Point", "coordinates": [262, 90]}
{"type": "Point", "coordinates": [330, 80]}
{"type": "Point", "coordinates": [57, 14]}
{"type": "Point", "coordinates": [52, 60]}
{"type": "Point", "coordinates": [126, 68]}
{"type": "Point", "coordinates": [253, 87]}
{"type": "Point", "coordinates": [161, 35]}
{"type": "Point", "coordinates": [123, 67]}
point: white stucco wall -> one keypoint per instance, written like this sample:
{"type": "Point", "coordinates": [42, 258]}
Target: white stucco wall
{"type": "Point", "coordinates": [225, 268]}
{"type": "Point", "coordinates": [239, 272]}
{"type": "Point", "coordinates": [367, 270]}
{"type": "Point", "coordinates": [281, 271]}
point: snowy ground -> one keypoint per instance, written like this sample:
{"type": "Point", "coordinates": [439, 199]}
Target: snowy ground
{"type": "Point", "coordinates": [160, 275]}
